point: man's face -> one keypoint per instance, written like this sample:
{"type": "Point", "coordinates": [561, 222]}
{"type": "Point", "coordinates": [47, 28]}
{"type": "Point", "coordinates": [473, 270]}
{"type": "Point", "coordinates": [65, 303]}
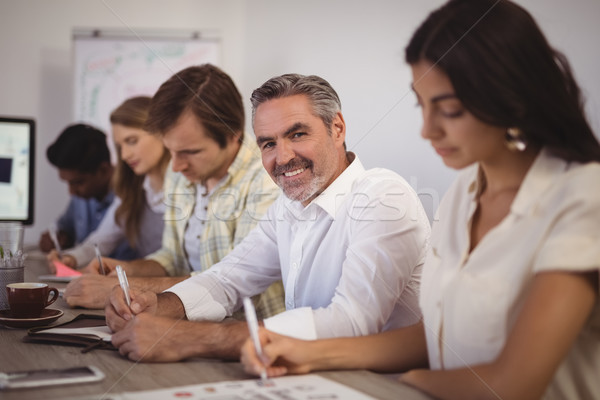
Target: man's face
{"type": "Point", "coordinates": [300, 153]}
{"type": "Point", "coordinates": [198, 157]}
{"type": "Point", "coordinates": [86, 185]}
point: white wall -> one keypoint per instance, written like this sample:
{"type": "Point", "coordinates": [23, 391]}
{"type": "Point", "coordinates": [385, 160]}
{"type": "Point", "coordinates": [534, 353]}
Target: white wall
{"type": "Point", "coordinates": [36, 74]}
{"type": "Point", "coordinates": [357, 45]}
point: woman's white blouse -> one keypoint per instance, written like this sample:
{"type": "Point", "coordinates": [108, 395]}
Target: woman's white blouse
{"type": "Point", "coordinates": [471, 301]}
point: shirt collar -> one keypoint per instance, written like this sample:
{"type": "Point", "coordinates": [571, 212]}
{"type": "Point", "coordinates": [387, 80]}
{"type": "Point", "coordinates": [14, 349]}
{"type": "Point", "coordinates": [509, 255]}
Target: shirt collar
{"type": "Point", "coordinates": [201, 189]}
{"type": "Point", "coordinates": [150, 192]}
{"type": "Point", "coordinates": [247, 150]}
{"type": "Point", "coordinates": [335, 194]}
{"type": "Point", "coordinates": [538, 179]}
{"type": "Point", "coordinates": [340, 188]}
{"type": "Point", "coordinates": [245, 153]}
{"type": "Point", "coordinates": [153, 199]}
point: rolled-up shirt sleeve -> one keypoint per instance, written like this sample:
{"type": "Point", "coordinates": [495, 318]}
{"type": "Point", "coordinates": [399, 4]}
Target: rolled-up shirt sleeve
{"type": "Point", "coordinates": [298, 323]}
{"type": "Point", "coordinates": [381, 261]}
{"type": "Point", "coordinates": [350, 261]}
{"type": "Point", "coordinates": [245, 272]}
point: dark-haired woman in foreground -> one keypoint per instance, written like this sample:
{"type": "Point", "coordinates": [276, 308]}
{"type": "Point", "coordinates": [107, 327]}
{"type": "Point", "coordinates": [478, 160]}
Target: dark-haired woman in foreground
{"type": "Point", "coordinates": [510, 289]}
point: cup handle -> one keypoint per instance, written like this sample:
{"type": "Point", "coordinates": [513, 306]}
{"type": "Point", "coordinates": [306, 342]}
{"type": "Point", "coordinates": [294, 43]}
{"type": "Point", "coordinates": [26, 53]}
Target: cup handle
{"type": "Point", "coordinates": [53, 299]}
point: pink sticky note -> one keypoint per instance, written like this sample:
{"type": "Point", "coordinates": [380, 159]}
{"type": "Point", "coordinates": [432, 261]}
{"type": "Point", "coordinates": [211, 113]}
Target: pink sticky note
{"type": "Point", "coordinates": [63, 270]}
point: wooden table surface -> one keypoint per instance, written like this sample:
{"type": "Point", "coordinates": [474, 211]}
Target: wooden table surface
{"type": "Point", "coordinates": [124, 375]}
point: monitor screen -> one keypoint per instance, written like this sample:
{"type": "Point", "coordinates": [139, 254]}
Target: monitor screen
{"type": "Point", "coordinates": [17, 158]}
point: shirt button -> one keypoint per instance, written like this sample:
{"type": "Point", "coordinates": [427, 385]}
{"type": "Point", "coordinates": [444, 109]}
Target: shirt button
{"type": "Point", "coordinates": [294, 265]}
{"type": "Point", "coordinates": [289, 304]}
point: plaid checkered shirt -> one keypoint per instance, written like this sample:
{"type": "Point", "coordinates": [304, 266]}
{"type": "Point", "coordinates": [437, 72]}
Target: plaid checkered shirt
{"type": "Point", "coordinates": [234, 209]}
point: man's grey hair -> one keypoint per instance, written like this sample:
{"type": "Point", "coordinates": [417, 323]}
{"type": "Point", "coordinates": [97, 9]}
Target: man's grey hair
{"type": "Point", "coordinates": [325, 101]}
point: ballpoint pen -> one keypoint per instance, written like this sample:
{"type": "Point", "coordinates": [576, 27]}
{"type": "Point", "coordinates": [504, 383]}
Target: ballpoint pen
{"type": "Point", "coordinates": [54, 238]}
{"type": "Point", "coordinates": [124, 284]}
{"type": "Point", "coordinates": [253, 328]}
{"type": "Point", "coordinates": [99, 257]}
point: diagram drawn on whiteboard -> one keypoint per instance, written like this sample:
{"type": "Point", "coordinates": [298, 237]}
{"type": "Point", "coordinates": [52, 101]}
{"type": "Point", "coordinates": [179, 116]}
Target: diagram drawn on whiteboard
{"type": "Point", "coordinates": [111, 70]}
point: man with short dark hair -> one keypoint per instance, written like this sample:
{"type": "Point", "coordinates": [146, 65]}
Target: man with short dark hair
{"type": "Point", "coordinates": [348, 244]}
{"type": "Point", "coordinates": [83, 160]}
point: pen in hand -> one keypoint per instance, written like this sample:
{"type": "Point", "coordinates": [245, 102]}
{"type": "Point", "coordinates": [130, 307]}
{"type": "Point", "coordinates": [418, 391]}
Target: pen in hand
{"type": "Point", "coordinates": [124, 284]}
{"type": "Point", "coordinates": [54, 238]}
{"type": "Point", "coordinates": [253, 328]}
{"type": "Point", "coordinates": [99, 257]}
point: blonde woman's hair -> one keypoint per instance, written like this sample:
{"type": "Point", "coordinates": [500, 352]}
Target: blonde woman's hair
{"type": "Point", "coordinates": [128, 186]}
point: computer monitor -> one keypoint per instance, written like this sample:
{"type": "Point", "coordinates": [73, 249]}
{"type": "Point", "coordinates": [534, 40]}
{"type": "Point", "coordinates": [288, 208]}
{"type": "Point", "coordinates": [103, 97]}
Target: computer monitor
{"type": "Point", "coordinates": [17, 161]}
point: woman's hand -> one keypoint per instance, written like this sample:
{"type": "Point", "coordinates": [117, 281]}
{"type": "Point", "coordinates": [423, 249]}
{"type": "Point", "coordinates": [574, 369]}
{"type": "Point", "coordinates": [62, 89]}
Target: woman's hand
{"type": "Point", "coordinates": [280, 355]}
{"type": "Point", "coordinates": [66, 259]}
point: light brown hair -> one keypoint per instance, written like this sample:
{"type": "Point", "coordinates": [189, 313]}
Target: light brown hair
{"type": "Point", "coordinates": [128, 186]}
{"type": "Point", "coordinates": [209, 93]}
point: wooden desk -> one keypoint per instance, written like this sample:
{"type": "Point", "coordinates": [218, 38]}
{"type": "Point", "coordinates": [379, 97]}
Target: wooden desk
{"type": "Point", "coordinates": [124, 375]}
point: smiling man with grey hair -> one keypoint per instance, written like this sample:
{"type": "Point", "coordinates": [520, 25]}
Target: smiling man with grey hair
{"type": "Point", "coordinates": [348, 243]}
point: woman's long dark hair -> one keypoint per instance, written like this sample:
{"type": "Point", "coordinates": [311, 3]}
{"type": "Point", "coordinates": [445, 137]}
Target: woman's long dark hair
{"type": "Point", "coordinates": [128, 186]}
{"type": "Point", "coordinates": [506, 74]}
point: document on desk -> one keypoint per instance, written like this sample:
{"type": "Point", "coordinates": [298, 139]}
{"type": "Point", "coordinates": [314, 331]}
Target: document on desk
{"type": "Point", "coordinates": [101, 332]}
{"type": "Point", "coordinates": [301, 387]}
{"type": "Point", "coordinates": [63, 273]}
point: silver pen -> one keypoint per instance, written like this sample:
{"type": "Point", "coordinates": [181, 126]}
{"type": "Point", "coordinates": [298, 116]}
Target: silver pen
{"type": "Point", "coordinates": [54, 238]}
{"type": "Point", "coordinates": [253, 328]}
{"type": "Point", "coordinates": [124, 284]}
{"type": "Point", "coordinates": [99, 257]}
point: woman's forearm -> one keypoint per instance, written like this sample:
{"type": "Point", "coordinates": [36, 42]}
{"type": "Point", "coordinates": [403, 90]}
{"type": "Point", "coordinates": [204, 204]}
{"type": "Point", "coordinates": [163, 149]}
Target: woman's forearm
{"type": "Point", "coordinates": [392, 351]}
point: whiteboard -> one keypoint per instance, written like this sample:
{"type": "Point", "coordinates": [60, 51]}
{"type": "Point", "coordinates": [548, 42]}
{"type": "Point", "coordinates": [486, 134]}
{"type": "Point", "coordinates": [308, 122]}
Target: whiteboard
{"type": "Point", "coordinates": [109, 70]}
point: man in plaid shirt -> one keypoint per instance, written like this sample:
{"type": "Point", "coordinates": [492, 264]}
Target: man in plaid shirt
{"type": "Point", "coordinates": [347, 242]}
{"type": "Point", "coordinates": [215, 194]}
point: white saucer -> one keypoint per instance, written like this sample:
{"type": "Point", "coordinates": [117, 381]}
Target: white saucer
{"type": "Point", "coordinates": [48, 316]}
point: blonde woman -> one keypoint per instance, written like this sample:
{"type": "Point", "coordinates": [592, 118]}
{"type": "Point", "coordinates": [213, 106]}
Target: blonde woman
{"type": "Point", "coordinates": [135, 218]}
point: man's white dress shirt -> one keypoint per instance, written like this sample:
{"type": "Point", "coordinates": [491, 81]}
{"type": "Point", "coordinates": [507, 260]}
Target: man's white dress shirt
{"type": "Point", "coordinates": [350, 261]}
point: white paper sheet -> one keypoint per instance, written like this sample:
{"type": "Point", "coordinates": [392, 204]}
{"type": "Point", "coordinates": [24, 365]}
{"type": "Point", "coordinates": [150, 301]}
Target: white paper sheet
{"type": "Point", "coordinates": [303, 387]}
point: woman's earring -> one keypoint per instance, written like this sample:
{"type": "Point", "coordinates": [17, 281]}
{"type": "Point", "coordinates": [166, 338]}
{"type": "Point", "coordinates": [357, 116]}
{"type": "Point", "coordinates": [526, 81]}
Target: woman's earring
{"type": "Point", "coordinates": [514, 140]}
